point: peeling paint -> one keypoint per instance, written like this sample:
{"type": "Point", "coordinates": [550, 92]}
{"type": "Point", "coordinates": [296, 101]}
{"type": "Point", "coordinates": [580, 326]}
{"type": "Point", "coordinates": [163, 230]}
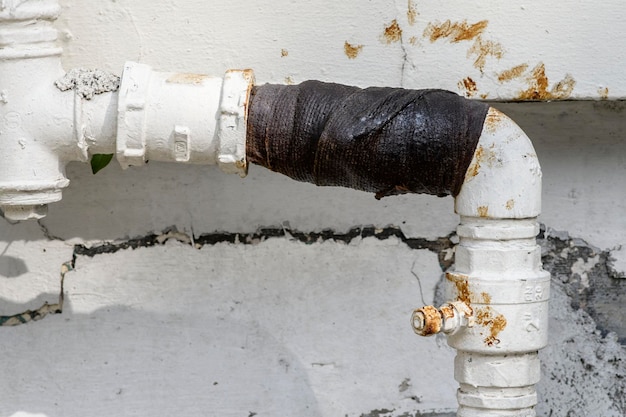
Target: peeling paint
{"type": "Point", "coordinates": [352, 51]}
{"type": "Point", "coordinates": [284, 53]}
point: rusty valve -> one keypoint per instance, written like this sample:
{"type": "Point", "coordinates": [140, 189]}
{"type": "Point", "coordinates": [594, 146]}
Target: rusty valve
{"type": "Point", "coordinates": [448, 318]}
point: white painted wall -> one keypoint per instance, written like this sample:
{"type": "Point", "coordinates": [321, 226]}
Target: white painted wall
{"type": "Point", "coordinates": [279, 327]}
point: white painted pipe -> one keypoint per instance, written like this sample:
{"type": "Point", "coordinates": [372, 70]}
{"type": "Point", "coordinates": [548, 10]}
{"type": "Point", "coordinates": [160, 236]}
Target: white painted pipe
{"type": "Point", "coordinates": [498, 293]}
{"type": "Point", "coordinates": [186, 118]}
{"type": "Point", "coordinates": [498, 275]}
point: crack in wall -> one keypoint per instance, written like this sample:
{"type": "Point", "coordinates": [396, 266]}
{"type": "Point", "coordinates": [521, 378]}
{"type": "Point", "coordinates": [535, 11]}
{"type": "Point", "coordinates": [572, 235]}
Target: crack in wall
{"type": "Point", "coordinates": [582, 270]}
{"type": "Point", "coordinates": [441, 246]}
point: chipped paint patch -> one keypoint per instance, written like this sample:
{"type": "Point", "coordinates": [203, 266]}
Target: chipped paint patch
{"type": "Point", "coordinates": [583, 267]}
{"type": "Point", "coordinates": [538, 85]}
{"type": "Point", "coordinates": [469, 85]}
{"type": "Point", "coordinates": [510, 204]}
{"type": "Point", "coordinates": [392, 32]}
{"type": "Point", "coordinates": [483, 211]}
{"type": "Point", "coordinates": [352, 51]}
{"type": "Point", "coordinates": [512, 73]}
{"type": "Point", "coordinates": [284, 53]}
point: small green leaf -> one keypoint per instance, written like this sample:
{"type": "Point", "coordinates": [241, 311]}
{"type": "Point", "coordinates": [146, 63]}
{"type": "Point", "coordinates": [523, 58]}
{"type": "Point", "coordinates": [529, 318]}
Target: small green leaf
{"type": "Point", "coordinates": [99, 161]}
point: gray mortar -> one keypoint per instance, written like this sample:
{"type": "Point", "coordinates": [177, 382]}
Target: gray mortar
{"type": "Point", "coordinates": [87, 83]}
{"type": "Point", "coordinates": [597, 291]}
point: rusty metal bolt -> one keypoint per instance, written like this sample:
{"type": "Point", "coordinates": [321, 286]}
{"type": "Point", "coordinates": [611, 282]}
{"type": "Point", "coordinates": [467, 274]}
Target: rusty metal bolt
{"type": "Point", "coordinates": [450, 317]}
{"type": "Point", "coordinates": [426, 321]}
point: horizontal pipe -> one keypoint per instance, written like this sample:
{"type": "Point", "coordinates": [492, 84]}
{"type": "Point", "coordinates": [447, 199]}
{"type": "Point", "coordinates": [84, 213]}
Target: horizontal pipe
{"type": "Point", "coordinates": [383, 140]}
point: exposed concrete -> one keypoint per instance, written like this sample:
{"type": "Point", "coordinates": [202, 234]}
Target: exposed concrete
{"type": "Point", "coordinates": [87, 83]}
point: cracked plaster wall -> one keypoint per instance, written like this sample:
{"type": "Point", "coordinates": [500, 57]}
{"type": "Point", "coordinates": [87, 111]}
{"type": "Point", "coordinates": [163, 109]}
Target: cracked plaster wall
{"type": "Point", "coordinates": [179, 302]}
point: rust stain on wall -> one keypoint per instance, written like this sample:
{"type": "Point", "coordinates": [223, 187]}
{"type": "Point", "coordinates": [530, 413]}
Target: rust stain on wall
{"type": "Point", "coordinates": [493, 322]}
{"type": "Point", "coordinates": [469, 85]}
{"type": "Point", "coordinates": [184, 78]}
{"type": "Point", "coordinates": [463, 31]}
{"type": "Point", "coordinates": [413, 40]}
{"type": "Point", "coordinates": [454, 31]}
{"type": "Point", "coordinates": [538, 84]}
{"type": "Point", "coordinates": [352, 51]}
{"type": "Point", "coordinates": [284, 53]}
{"type": "Point", "coordinates": [603, 93]}
{"type": "Point", "coordinates": [510, 204]}
{"type": "Point", "coordinates": [411, 13]}
{"type": "Point", "coordinates": [511, 73]}
{"type": "Point", "coordinates": [392, 32]}
{"type": "Point", "coordinates": [483, 49]}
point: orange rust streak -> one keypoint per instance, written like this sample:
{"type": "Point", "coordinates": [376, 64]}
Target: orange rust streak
{"type": "Point", "coordinates": [352, 51]}
{"type": "Point", "coordinates": [411, 13]}
{"type": "Point", "coordinates": [462, 286]}
{"type": "Point", "coordinates": [538, 86]}
{"type": "Point", "coordinates": [483, 49]}
{"type": "Point", "coordinates": [514, 72]}
{"type": "Point", "coordinates": [432, 320]}
{"type": "Point", "coordinates": [455, 31]}
{"type": "Point", "coordinates": [469, 85]}
{"type": "Point", "coordinates": [393, 32]}
{"type": "Point", "coordinates": [494, 322]}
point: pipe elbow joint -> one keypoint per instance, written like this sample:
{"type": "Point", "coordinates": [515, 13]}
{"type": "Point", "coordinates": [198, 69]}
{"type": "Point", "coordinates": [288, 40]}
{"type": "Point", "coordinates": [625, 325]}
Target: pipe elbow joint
{"type": "Point", "coordinates": [503, 180]}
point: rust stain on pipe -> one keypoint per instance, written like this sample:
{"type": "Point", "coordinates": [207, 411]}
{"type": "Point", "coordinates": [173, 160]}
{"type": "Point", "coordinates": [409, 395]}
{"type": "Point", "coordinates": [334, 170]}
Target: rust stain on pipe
{"type": "Point", "coordinates": [461, 283]}
{"type": "Point", "coordinates": [493, 322]}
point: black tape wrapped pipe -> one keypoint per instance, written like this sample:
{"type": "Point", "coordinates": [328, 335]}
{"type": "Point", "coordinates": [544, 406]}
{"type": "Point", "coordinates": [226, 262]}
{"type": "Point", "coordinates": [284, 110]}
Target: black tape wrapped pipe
{"type": "Point", "coordinates": [383, 140]}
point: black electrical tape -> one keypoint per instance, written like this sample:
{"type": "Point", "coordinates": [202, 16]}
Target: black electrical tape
{"type": "Point", "coordinates": [382, 140]}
